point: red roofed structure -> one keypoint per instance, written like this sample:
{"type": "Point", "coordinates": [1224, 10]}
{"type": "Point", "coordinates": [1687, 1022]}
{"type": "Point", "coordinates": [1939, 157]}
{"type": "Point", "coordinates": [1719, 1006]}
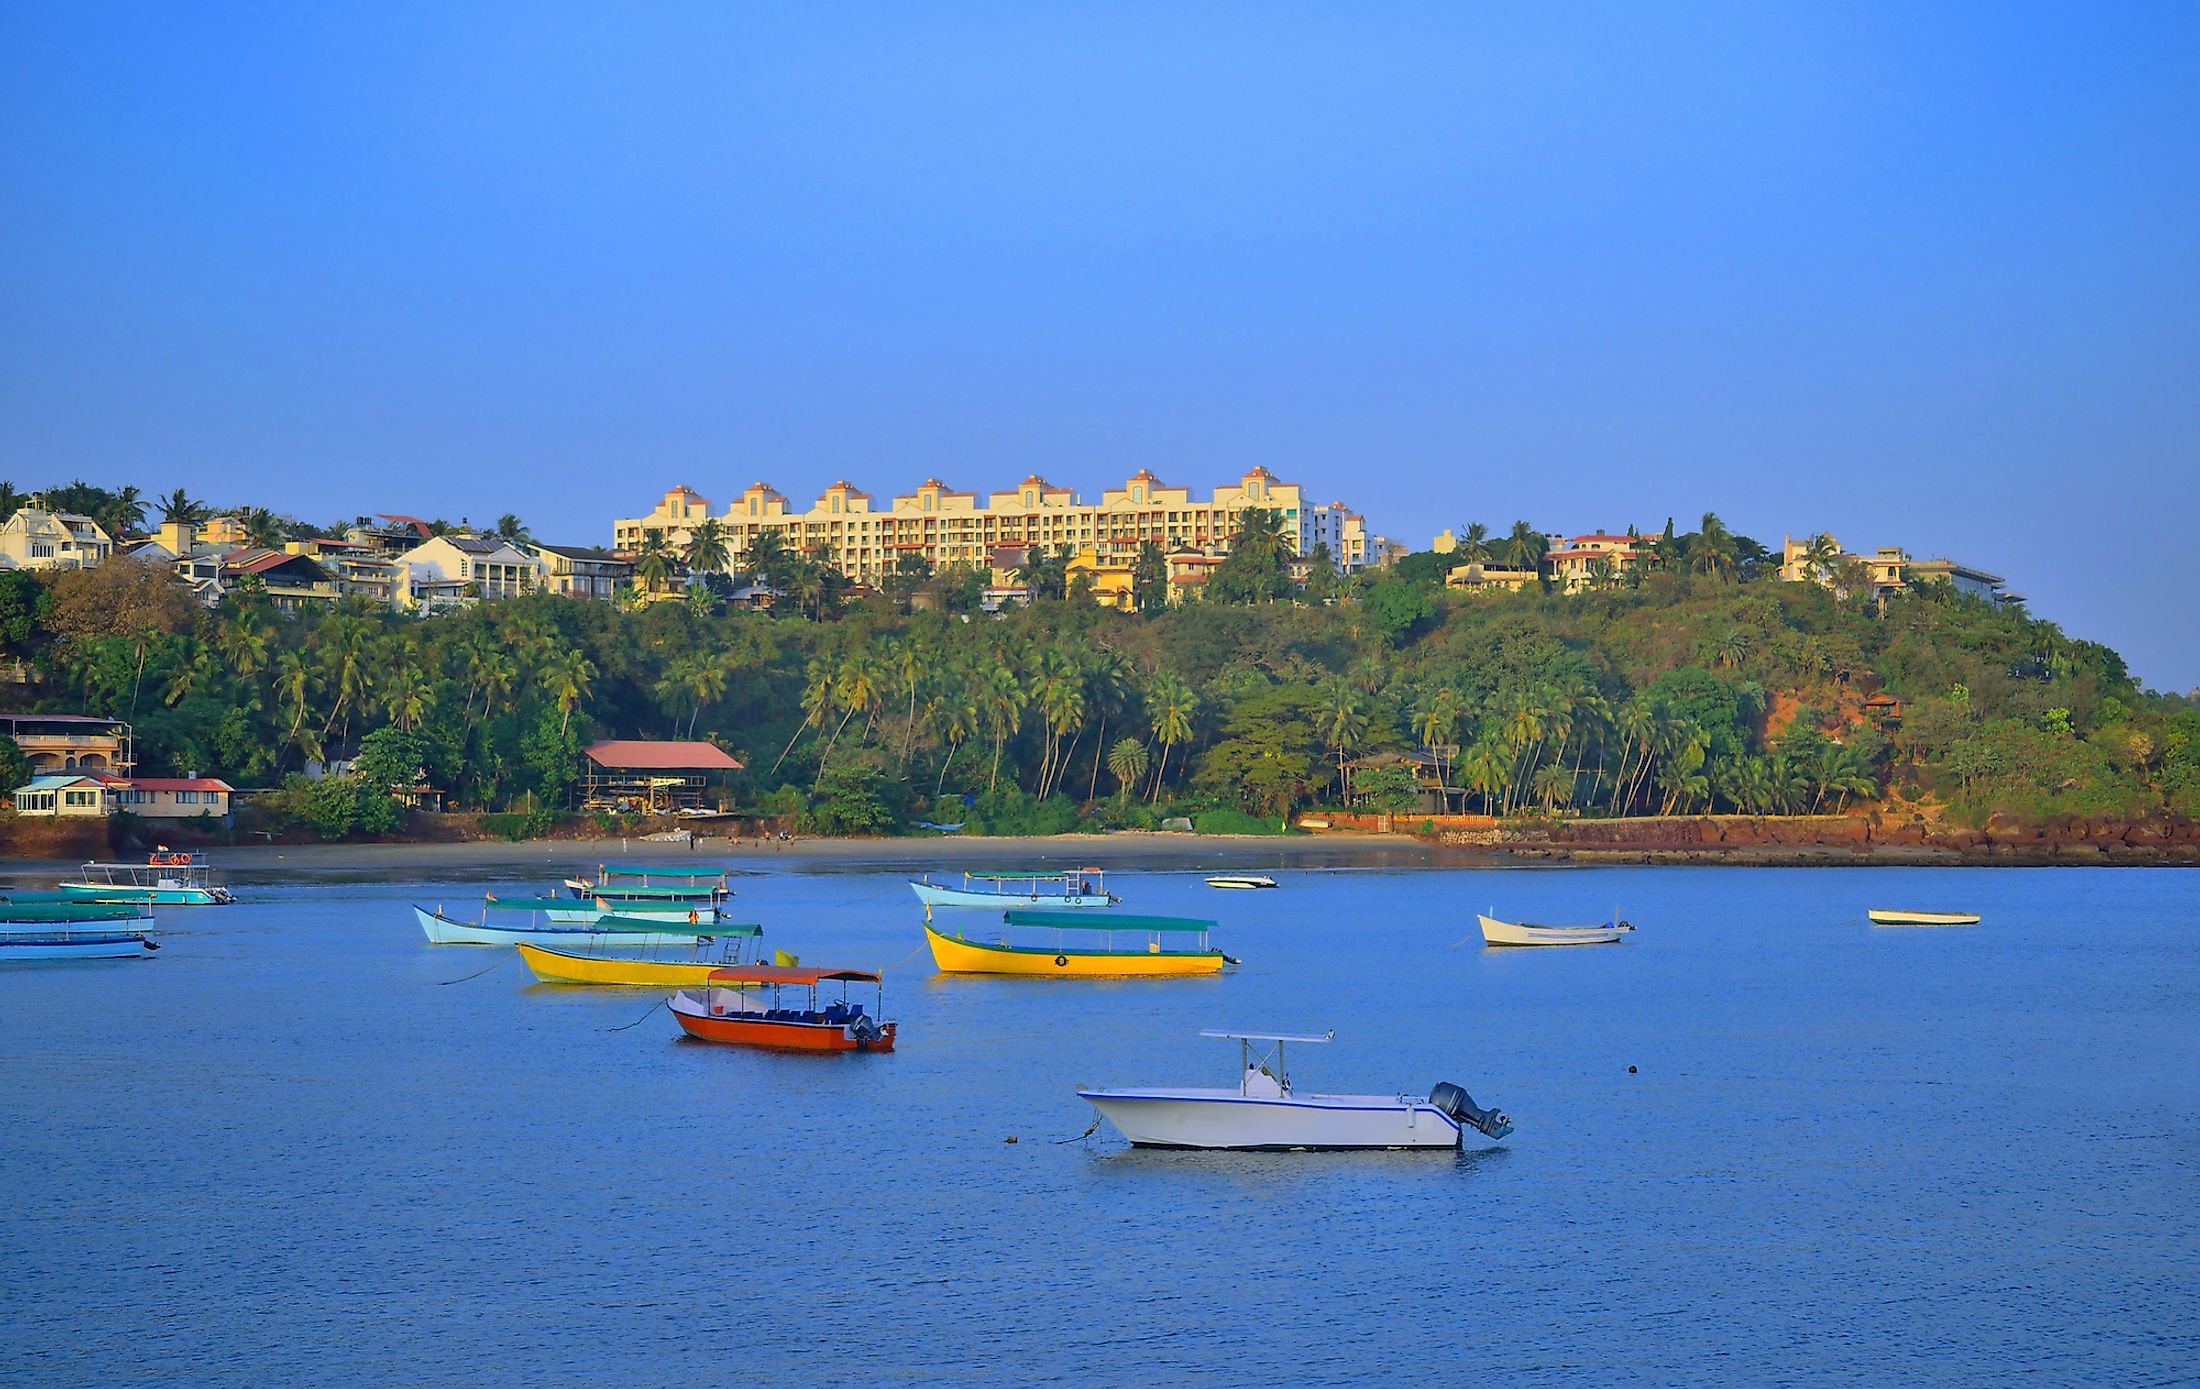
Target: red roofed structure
{"type": "Point", "coordinates": [648, 775]}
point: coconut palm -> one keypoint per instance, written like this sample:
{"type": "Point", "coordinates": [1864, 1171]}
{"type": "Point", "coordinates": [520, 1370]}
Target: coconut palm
{"type": "Point", "coordinates": [511, 529]}
{"type": "Point", "coordinates": [1714, 551]}
{"type": "Point", "coordinates": [1107, 693]}
{"type": "Point", "coordinates": [179, 507]}
{"type": "Point", "coordinates": [1343, 724]}
{"type": "Point", "coordinates": [1127, 764]}
{"type": "Point", "coordinates": [1000, 699]}
{"type": "Point", "coordinates": [653, 562]}
{"type": "Point", "coordinates": [1820, 555]}
{"type": "Point", "coordinates": [568, 679]}
{"type": "Point", "coordinates": [1171, 705]}
{"type": "Point", "coordinates": [817, 703]}
{"type": "Point", "coordinates": [1525, 546]}
{"type": "Point", "coordinates": [1474, 543]}
{"type": "Point", "coordinates": [706, 550]}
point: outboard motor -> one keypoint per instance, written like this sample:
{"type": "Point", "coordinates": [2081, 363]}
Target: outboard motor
{"type": "Point", "coordinates": [1461, 1106]}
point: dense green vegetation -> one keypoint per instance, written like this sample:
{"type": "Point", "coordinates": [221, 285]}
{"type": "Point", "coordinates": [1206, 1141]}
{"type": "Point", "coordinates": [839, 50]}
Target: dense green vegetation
{"type": "Point", "coordinates": [1702, 685]}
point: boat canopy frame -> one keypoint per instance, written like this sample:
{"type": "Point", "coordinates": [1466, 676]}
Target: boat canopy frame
{"type": "Point", "coordinates": [1255, 1058]}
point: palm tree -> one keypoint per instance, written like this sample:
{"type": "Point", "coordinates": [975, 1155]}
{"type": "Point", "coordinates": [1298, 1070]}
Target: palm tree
{"type": "Point", "coordinates": [179, 507]}
{"type": "Point", "coordinates": [1261, 536]}
{"type": "Point", "coordinates": [262, 528]}
{"type": "Point", "coordinates": [1343, 724]}
{"type": "Point", "coordinates": [407, 695]}
{"type": "Point", "coordinates": [125, 513]}
{"type": "Point", "coordinates": [1058, 688]}
{"type": "Point", "coordinates": [1001, 701]}
{"type": "Point", "coordinates": [11, 501]}
{"type": "Point", "coordinates": [706, 551]}
{"type": "Point", "coordinates": [1474, 543]}
{"type": "Point", "coordinates": [511, 529]}
{"type": "Point", "coordinates": [653, 561]}
{"type": "Point", "coordinates": [1820, 555]}
{"type": "Point", "coordinates": [1524, 548]}
{"type": "Point", "coordinates": [1107, 692]}
{"type": "Point", "coordinates": [856, 686]}
{"type": "Point", "coordinates": [954, 714]}
{"type": "Point", "coordinates": [1487, 768]}
{"type": "Point", "coordinates": [567, 680]}
{"type": "Point", "coordinates": [817, 703]}
{"type": "Point", "coordinates": [1714, 549]}
{"type": "Point", "coordinates": [1170, 704]}
{"type": "Point", "coordinates": [765, 561]}
{"type": "Point", "coordinates": [1127, 764]}
{"type": "Point", "coordinates": [296, 678]}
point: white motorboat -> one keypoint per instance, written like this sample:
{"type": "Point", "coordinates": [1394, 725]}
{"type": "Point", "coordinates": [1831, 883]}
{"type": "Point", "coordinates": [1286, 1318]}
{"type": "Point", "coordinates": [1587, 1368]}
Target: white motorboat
{"type": "Point", "coordinates": [1882, 917]}
{"type": "Point", "coordinates": [1241, 880]}
{"type": "Point", "coordinates": [1263, 1112]}
{"type": "Point", "coordinates": [1495, 932]}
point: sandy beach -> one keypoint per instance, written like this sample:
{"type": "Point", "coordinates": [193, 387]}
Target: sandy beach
{"type": "Point", "coordinates": [484, 860]}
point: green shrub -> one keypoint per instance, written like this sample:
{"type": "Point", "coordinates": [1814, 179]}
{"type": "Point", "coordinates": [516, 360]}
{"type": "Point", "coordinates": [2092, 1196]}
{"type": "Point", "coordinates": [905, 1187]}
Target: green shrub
{"type": "Point", "coordinates": [1230, 821]}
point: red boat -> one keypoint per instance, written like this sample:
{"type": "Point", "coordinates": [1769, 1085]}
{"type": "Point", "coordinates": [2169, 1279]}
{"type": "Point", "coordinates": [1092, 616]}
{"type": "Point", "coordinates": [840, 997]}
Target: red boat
{"type": "Point", "coordinates": [731, 1007]}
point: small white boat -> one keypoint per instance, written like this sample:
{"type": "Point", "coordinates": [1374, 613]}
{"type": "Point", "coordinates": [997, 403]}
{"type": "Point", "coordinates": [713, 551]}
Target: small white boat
{"type": "Point", "coordinates": [1898, 918]}
{"type": "Point", "coordinates": [1263, 1112]}
{"type": "Point", "coordinates": [1495, 932]}
{"type": "Point", "coordinates": [1077, 887]}
{"type": "Point", "coordinates": [1243, 881]}
{"type": "Point", "coordinates": [605, 933]}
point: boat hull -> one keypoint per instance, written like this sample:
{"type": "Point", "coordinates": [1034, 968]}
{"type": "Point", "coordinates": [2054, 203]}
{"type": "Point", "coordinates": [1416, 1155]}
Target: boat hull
{"type": "Point", "coordinates": [751, 1029]}
{"type": "Point", "coordinates": [121, 945]}
{"type": "Point", "coordinates": [1495, 932]}
{"type": "Point", "coordinates": [125, 895]}
{"type": "Point", "coordinates": [1895, 918]}
{"type": "Point", "coordinates": [441, 930]}
{"type": "Point", "coordinates": [954, 956]}
{"type": "Point", "coordinates": [581, 913]}
{"type": "Point", "coordinates": [933, 895]}
{"type": "Point", "coordinates": [1241, 884]}
{"type": "Point", "coordinates": [565, 967]}
{"type": "Point", "coordinates": [1226, 1119]}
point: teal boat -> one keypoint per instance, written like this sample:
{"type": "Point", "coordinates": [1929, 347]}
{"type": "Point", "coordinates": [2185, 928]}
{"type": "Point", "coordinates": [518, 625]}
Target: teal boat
{"type": "Point", "coordinates": [166, 879]}
{"type": "Point", "coordinates": [48, 930]}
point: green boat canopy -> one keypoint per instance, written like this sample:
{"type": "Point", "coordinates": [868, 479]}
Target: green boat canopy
{"type": "Point", "coordinates": [708, 928]}
{"type": "Point", "coordinates": [668, 894]}
{"type": "Point", "coordinates": [538, 904]}
{"type": "Point", "coordinates": [1106, 921]}
{"type": "Point", "coordinates": [624, 870]}
{"type": "Point", "coordinates": [69, 911]}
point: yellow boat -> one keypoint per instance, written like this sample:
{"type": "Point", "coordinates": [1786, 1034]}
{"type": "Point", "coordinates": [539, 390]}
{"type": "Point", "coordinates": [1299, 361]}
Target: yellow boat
{"type": "Point", "coordinates": [582, 967]}
{"type": "Point", "coordinates": [1070, 952]}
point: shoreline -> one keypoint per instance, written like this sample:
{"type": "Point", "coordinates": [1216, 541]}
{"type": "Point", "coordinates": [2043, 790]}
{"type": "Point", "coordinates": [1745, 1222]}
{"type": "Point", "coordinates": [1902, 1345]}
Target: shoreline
{"type": "Point", "coordinates": [1219, 852]}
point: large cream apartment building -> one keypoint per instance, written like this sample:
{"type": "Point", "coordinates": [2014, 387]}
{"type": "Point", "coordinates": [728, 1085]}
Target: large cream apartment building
{"type": "Point", "coordinates": [946, 526]}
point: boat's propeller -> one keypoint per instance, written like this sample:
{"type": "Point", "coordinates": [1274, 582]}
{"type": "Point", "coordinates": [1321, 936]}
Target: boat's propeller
{"type": "Point", "coordinates": [1461, 1106]}
{"type": "Point", "coordinates": [864, 1030]}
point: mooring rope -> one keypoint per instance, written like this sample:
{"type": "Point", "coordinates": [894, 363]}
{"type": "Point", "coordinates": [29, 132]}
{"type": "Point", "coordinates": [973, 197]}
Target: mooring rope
{"type": "Point", "coordinates": [640, 1020]}
{"type": "Point", "coordinates": [1080, 1137]}
{"type": "Point", "coordinates": [446, 983]}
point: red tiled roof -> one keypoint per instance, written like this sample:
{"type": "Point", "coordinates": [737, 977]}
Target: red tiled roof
{"type": "Point", "coordinates": [649, 755]}
{"type": "Point", "coordinates": [174, 783]}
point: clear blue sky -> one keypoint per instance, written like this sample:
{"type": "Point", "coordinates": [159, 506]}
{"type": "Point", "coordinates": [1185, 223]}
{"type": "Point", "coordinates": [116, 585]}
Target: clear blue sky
{"type": "Point", "coordinates": [1926, 276]}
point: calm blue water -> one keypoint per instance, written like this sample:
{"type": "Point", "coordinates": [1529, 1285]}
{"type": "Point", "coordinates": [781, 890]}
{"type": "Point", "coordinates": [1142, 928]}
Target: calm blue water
{"type": "Point", "coordinates": [283, 1153]}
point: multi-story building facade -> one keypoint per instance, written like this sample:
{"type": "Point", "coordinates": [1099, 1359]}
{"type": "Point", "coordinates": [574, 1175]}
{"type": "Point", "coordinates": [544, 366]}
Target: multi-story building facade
{"type": "Point", "coordinates": [1583, 561]}
{"type": "Point", "coordinates": [71, 742]}
{"type": "Point", "coordinates": [578, 571]}
{"type": "Point", "coordinates": [1890, 568]}
{"type": "Point", "coordinates": [946, 526]}
{"type": "Point", "coordinates": [452, 569]}
{"type": "Point", "coordinates": [35, 538]}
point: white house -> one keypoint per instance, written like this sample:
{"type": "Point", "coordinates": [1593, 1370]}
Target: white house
{"type": "Point", "coordinates": [34, 538]}
{"type": "Point", "coordinates": [456, 568]}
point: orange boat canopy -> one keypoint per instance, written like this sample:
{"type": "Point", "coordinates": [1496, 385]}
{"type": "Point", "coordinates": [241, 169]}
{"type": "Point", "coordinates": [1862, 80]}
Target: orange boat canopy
{"type": "Point", "coordinates": [785, 974]}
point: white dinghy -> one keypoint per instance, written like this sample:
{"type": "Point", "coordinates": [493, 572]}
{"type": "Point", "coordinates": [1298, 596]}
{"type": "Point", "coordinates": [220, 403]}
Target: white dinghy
{"type": "Point", "coordinates": [1263, 1112]}
{"type": "Point", "coordinates": [1882, 917]}
{"type": "Point", "coordinates": [1495, 932]}
{"type": "Point", "coordinates": [1243, 881]}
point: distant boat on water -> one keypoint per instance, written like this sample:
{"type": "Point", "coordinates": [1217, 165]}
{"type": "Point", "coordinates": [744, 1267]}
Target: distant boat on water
{"type": "Point", "coordinates": [1884, 917]}
{"type": "Point", "coordinates": [167, 878]}
{"type": "Point", "coordinates": [1495, 932]}
{"type": "Point", "coordinates": [605, 933]}
{"type": "Point", "coordinates": [1075, 887]}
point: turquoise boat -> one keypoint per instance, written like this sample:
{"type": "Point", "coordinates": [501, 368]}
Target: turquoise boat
{"type": "Point", "coordinates": [531, 924]}
{"type": "Point", "coordinates": [1076, 887]}
{"type": "Point", "coordinates": [623, 882]}
{"type": "Point", "coordinates": [165, 879]}
{"type": "Point", "coordinates": [48, 930]}
{"type": "Point", "coordinates": [574, 911]}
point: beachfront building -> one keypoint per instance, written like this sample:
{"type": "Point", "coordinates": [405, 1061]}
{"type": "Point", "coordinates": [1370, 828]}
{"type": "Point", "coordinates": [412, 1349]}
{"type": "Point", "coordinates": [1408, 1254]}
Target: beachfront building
{"type": "Point", "coordinates": [650, 776]}
{"type": "Point", "coordinates": [578, 571]}
{"type": "Point", "coordinates": [35, 538]}
{"type": "Point", "coordinates": [71, 742]}
{"type": "Point", "coordinates": [452, 570]}
{"type": "Point", "coordinates": [864, 535]}
{"type": "Point", "coordinates": [93, 794]}
{"type": "Point", "coordinates": [1598, 560]}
